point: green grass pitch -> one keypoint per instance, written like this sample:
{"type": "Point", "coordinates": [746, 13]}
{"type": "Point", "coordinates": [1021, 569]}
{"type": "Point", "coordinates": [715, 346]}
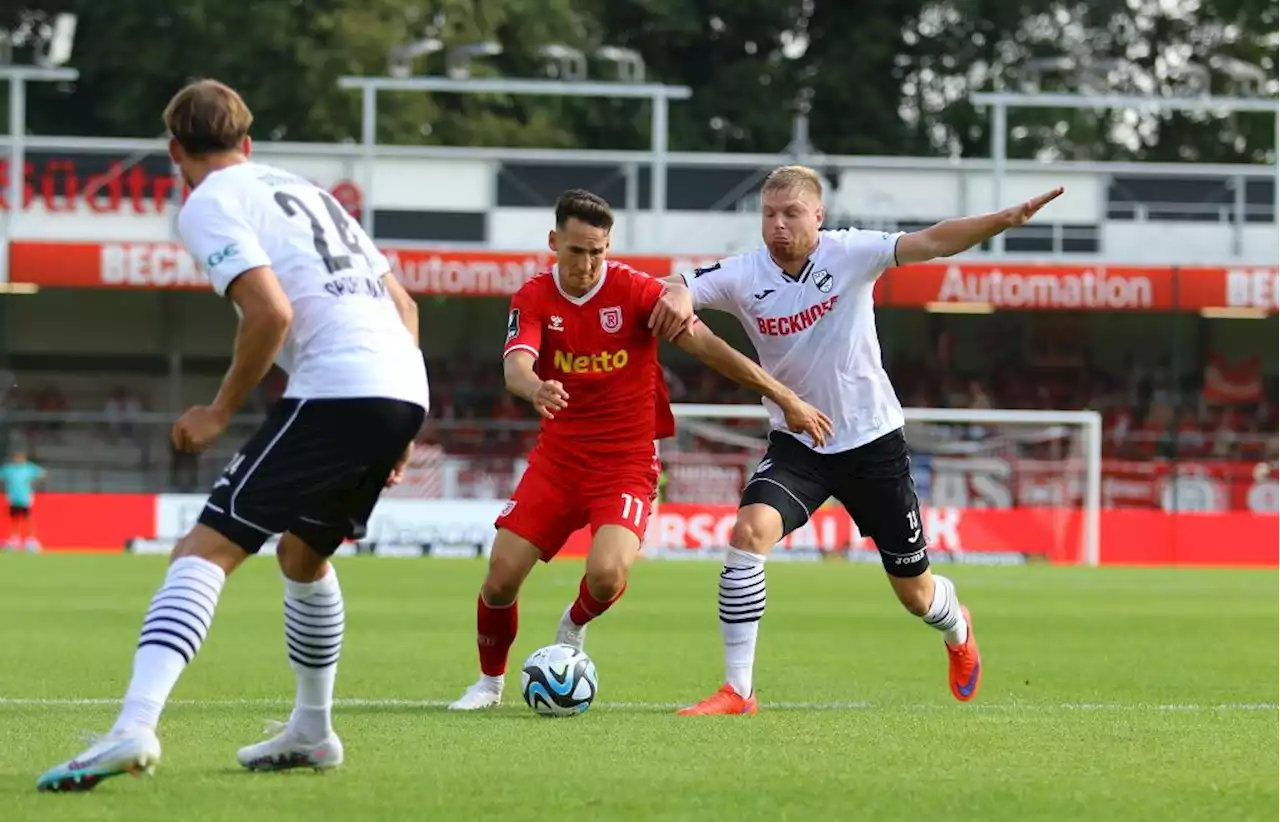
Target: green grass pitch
{"type": "Point", "coordinates": [1108, 694]}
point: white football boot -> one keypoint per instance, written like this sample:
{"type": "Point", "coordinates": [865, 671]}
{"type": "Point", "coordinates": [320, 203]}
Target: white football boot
{"type": "Point", "coordinates": [287, 749]}
{"type": "Point", "coordinates": [485, 693]}
{"type": "Point", "coordinates": [570, 633]}
{"type": "Point", "coordinates": [135, 751]}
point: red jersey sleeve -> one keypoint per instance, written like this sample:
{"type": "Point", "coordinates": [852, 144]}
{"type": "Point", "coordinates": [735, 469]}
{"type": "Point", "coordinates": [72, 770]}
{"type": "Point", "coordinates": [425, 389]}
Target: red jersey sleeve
{"type": "Point", "coordinates": [524, 323]}
{"type": "Point", "coordinates": [648, 290]}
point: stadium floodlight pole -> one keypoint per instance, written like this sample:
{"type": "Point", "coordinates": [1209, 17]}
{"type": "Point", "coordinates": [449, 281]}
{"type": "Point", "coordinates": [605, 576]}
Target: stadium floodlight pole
{"type": "Point", "coordinates": [658, 94]}
{"type": "Point", "coordinates": [1000, 102]}
{"type": "Point", "coordinates": [18, 77]}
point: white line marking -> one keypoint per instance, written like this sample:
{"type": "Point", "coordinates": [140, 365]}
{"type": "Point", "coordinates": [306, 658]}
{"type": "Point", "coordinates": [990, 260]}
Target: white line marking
{"type": "Point", "coordinates": [1009, 707]}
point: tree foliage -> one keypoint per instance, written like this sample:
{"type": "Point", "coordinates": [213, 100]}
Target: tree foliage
{"type": "Point", "coordinates": [877, 76]}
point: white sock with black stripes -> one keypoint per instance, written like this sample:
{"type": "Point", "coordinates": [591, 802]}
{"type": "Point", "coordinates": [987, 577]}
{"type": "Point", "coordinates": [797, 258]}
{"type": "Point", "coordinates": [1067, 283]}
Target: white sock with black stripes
{"type": "Point", "coordinates": [944, 614]}
{"type": "Point", "coordinates": [742, 601]}
{"type": "Point", "coordinates": [173, 630]}
{"type": "Point", "coordinates": [314, 621]}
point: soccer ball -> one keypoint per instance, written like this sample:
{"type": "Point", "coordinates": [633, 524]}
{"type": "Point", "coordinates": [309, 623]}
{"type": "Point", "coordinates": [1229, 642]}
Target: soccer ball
{"type": "Point", "coordinates": [558, 680]}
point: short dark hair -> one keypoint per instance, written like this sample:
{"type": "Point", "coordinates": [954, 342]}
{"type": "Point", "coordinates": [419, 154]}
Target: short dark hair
{"type": "Point", "coordinates": [207, 117]}
{"type": "Point", "coordinates": [580, 204]}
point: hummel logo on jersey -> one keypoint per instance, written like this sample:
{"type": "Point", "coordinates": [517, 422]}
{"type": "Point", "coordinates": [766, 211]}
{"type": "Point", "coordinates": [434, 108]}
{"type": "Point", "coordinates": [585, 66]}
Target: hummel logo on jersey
{"type": "Point", "coordinates": [763, 294]}
{"type": "Point", "coordinates": [557, 322]}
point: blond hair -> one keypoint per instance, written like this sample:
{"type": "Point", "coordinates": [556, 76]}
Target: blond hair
{"type": "Point", "coordinates": [207, 117]}
{"type": "Point", "coordinates": [785, 178]}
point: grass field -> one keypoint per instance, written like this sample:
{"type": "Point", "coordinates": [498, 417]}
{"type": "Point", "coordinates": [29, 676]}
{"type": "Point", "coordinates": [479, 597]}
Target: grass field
{"type": "Point", "coordinates": [1108, 694]}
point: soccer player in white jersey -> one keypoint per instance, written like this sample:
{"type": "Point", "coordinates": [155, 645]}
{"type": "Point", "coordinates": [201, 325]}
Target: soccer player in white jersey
{"type": "Point", "coordinates": [805, 300]}
{"type": "Point", "coordinates": [315, 295]}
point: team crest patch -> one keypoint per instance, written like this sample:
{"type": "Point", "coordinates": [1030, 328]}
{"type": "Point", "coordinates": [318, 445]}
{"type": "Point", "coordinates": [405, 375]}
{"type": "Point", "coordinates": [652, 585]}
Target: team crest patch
{"type": "Point", "coordinates": [823, 280]}
{"type": "Point", "coordinates": [508, 508]}
{"type": "Point", "coordinates": [611, 319]}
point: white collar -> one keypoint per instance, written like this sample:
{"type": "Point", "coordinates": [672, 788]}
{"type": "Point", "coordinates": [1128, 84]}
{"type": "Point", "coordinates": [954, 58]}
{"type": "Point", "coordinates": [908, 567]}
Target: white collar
{"type": "Point", "coordinates": [585, 298]}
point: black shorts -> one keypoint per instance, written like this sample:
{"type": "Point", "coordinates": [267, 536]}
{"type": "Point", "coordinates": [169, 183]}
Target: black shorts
{"type": "Point", "coordinates": [315, 468]}
{"type": "Point", "coordinates": [19, 512]}
{"type": "Point", "coordinates": [873, 482]}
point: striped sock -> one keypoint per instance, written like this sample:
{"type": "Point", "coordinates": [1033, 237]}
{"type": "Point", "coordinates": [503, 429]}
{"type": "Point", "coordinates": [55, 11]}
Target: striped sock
{"type": "Point", "coordinates": [173, 630]}
{"type": "Point", "coordinates": [742, 601]}
{"type": "Point", "coordinates": [314, 621]}
{"type": "Point", "coordinates": [944, 614]}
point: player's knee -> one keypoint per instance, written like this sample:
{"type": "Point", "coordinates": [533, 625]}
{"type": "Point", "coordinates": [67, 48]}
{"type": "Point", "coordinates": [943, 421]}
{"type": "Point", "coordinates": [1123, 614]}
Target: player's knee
{"type": "Point", "coordinates": [502, 584]}
{"type": "Point", "coordinates": [207, 544]}
{"type": "Point", "coordinates": [607, 581]}
{"type": "Point", "coordinates": [751, 535]}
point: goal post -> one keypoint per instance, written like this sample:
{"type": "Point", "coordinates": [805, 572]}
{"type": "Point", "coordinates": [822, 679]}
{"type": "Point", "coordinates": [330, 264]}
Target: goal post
{"type": "Point", "coordinates": [995, 484]}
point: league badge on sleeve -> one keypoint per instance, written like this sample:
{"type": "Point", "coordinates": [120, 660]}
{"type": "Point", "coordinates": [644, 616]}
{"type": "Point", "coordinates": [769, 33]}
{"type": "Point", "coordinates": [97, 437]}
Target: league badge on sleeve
{"type": "Point", "coordinates": [611, 319]}
{"type": "Point", "coordinates": [513, 324]}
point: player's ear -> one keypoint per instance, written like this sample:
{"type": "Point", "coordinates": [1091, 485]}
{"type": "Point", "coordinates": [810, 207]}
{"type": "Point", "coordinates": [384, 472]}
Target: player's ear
{"type": "Point", "coordinates": [551, 240]}
{"type": "Point", "coordinates": [821, 214]}
{"type": "Point", "coordinates": [175, 151]}
{"type": "Point", "coordinates": [246, 146]}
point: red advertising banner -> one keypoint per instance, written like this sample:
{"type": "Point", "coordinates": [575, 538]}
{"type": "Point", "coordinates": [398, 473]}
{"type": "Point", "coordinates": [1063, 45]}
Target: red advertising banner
{"type": "Point", "coordinates": [107, 522]}
{"type": "Point", "coordinates": [1020, 286]}
{"type": "Point", "coordinates": [88, 522]}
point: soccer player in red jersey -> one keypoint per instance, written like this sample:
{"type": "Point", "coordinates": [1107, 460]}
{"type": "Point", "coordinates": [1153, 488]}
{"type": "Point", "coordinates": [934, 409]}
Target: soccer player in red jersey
{"type": "Point", "coordinates": [580, 350]}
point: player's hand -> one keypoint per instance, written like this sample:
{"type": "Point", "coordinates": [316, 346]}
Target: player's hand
{"type": "Point", "coordinates": [803, 418]}
{"type": "Point", "coordinates": [550, 398]}
{"type": "Point", "coordinates": [673, 314]}
{"type": "Point", "coordinates": [397, 474]}
{"type": "Point", "coordinates": [199, 427]}
{"type": "Point", "coordinates": [1022, 213]}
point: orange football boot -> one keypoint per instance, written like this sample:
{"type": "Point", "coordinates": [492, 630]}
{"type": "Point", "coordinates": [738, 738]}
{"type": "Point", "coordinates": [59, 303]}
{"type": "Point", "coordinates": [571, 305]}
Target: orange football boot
{"type": "Point", "coordinates": [966, 664]}
{"type": "Point", "coordinates": [724, 701]}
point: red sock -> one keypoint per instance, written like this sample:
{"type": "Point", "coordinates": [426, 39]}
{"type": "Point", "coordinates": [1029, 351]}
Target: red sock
{"type": "Point", "coordinates": [586, 607]}
{"type": "Point", "coordinates": [495, 631]}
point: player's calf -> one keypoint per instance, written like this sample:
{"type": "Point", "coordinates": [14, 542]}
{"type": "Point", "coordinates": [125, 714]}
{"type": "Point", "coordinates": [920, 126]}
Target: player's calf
{"type": "Point", "coordinates": [173, 631]}
{"type": "Point", "coordinates": [933, 599]}
{"type": "Point", "coordinates": [613, 549]}
{"type": "Point", "coordinates": [314, 625]}
{"type": "Point", "coordinates": [498, 617]}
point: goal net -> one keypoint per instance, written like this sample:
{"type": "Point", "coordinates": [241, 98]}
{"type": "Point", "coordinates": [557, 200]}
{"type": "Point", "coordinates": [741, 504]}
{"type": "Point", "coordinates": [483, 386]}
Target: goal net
{"type": "Point", "coordinates": [995, 486]}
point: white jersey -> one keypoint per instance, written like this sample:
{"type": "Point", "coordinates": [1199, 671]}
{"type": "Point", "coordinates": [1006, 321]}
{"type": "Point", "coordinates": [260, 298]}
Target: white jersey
{"type": "Point", "coordinates": [347, 339]}
{"type": "Point", "coordinates": [815, 333]}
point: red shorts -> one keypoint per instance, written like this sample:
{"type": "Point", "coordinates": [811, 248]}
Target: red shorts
{"type": "Point", "coordinates": [556, 498]}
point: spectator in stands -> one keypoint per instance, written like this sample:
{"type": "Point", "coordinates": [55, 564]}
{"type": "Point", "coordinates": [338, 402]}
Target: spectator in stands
{"type": "Point", "coordinates": [978, 397]}
{"type": "Point", "coordinates": [20, 477]}
{"type": "Point", "coordinates": [122, 411]}
{"type": "Point", "coordinates": [50, 400]}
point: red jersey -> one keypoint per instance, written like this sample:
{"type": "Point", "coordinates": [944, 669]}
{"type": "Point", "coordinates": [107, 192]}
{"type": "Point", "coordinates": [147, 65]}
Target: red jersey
{"type": "Point", "coordinates": [600, 348]}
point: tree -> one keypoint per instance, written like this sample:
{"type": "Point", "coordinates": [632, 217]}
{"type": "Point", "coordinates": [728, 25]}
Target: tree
{"type": "Point", "coordinates": [286, 57]}
{"type": "Point", "coordinates": [1128, 46]}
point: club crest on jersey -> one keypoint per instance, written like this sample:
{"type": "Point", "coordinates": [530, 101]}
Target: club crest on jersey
{"type": "Point", "coordinates": [557, 322]}
{"type": "Point", "coordinates": [823, 280]}
{"type": "Point", "coordinates": [611, 319]}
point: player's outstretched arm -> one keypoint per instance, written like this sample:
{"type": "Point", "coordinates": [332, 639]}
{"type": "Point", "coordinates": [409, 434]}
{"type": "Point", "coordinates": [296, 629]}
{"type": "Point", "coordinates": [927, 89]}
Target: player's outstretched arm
{"type": "Point", "coordinates": [704, 344]}
{"type": "Point", "coordinates": [546, 396]}
{"type": "Point", "coordinates": [405, 305]}
{"type": "Point", "coordinates": [953, 236]}
{"type": "Point", "coordinates": [265, 315]}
